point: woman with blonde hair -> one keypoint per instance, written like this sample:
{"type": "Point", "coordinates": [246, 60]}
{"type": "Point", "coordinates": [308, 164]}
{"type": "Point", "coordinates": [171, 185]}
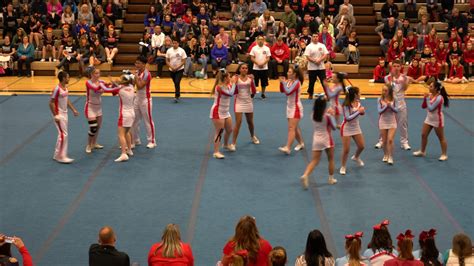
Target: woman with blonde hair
{"type": "Point", "coordinates": [405, 251]}
{"type": "Point", "coordinates": [171, 250]}
{"type": "Point", "coordinates": [277, 257]}
{"type": "Point", "coordinates": [247, 238]}
{"type": "Point", "coordinates": [461, 252]}
{"type": "Point", "coordinates": [353, 246]}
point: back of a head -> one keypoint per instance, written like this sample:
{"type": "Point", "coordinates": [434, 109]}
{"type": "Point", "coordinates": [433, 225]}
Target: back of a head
{"type": "Point", "coordinates": [171, 241]}
{"type": "Point", "coordinates": [316, 249]}
{"type": "Point", "coordinates": [462, 247]}
{"type": "Point", "coordinates": [277, 257]}
{"type": "Point", "coordinates": [107, 236]}
{"type": "Point", "coordinates": [381, 240]}
{"type": "Point", "coordinates": [429, 252]}
{"type": "Point", "coordinates": [247, 236]}
{"type": "Point", "coordinates": [353, 247]}
{"type": "Point", "coordinates": [405, 245]}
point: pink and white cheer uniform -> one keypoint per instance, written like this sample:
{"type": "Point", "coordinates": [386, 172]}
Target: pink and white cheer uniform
{"type": "Point", "coordinates": [333, 96]}
{"type": "Point", "coordinates": [243, 100]}
{"type": "Point", "coordinates": [322, 135]}
{"type": "Point", "coordinates": [222, 98]}
{"type": "Point", "coordinates": [93, 108]}
{"type": "Point", "coordinates": [294, 107]}
{"type": "Point", "coordinates": [144, 109]}
{"type": "Point", "coordinates": [400, 85]}
{"type": "Point", "coordinates": [387, 114]}
{"type": "Point", "coordinates": [350, 126]}
{"type": "Point", "coordinates": [435, 116]}
{"type": "Point", "coordinates": [60, 96]}
{"type": "Point", "coordinates": [127, 104]}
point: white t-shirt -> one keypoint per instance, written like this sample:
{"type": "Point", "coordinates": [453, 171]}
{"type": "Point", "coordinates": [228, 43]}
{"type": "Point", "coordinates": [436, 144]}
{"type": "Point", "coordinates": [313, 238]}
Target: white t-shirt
{"type": "Point", "coordinates": [261, 55]}
{"type": "Point", "coordinates": [176, 56]}
{"type": "Point", "coordinates": [315, 51]}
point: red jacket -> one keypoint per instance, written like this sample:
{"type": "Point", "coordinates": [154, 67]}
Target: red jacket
{"type": "Point", "coordinates": [393, 54]}
{"type": "Point", "coordinates": [414, 72]}
{"type": "Point", "coordinates": [379, 72]}
{"type": "Point", "coordinates": [468, 56]}
{"type": "Point", "coordinates": [411, 44]}
{"type": "Point", "coordinates": [281, 52]}
{"type": "Point", "coordinates": [441, 55]}
{"type": "Point", "coordinates": [158, 260]}
{"type": "Point", "coordinates": [399, 262]}
{"type": "Point", "coordinates": [431, 42]}
{"type": "Point", "coordinates": [262, 255]}
{"type": "Point", "coordinates": [456, 71]}
{"type": "Point", "coordinates": [432, 69]}
{"type": "Point", "coordinates": [457, 39]}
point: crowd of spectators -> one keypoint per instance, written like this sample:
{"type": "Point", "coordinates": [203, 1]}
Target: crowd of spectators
{"type": "Point", "coordinates": [247, 247]}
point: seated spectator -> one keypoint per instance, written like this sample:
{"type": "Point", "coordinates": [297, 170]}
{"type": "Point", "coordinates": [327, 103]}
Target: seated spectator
{"type": "Point", "coordinates": [314, 10]}
{"type": "Point", "coordinates": [191, 51]}
{"type": "Point", "coordinates": [195, 6]}
{"type": "Point", "coordinates": [344, 30]}
{"type": "Point", "coordinates": [224, 36]}
{"type": "Point", "coordinates": [432, 39]}
{"type": "Point", "coordinates": [289, 17]}
{"type": "Point", "coordinates": [171, 250]}
{"type": "Point", "coordinates": [406, 28]}
{"type": "Point", "coordinates": [300, 59]}
{"type": "Point", "coordinates": [330, 9]}
{"type": "Point", "coordinates": [145, 48]}
{"type": "Point", "coordinates": [68, 16]}
{"type": "Point", "coordinates": [405, 249]}
{"type": "Point", "coordinates": [82, 28]}
{"type": "Point", "coordinates": [219, 56]}
{"type": "Point", "coordinates": [344, 15]}
{"type": "Point", "coordinates": [252, 33]}
{"type": "Point", "coordinates": [111, 44]}
{"type": "Point", "coordinates": [454, 37]}
{"type": "Point", "coordinates": [203, 54]}
{"type": "Point", "coordinates": [85, 14]}
{"type": "Point", "coordinates": [195, 28]}
{"type": "Point", "coordinates": [112, 11]}
{"type": "Point", "coordinates": [247, 238]}
{"type": "Point", "coordinates": [54, 6]}
{"type": "Point", "coordinates": [7, 55]}
{"type": "Point", "coordinates": [432, 68]}
{"type": "Point", "coordinates": [379, 76]}
{"type": "Point", "coordinates": [389, 9]}
{"type": "Point", "coordinates": [203, 15]}
{"type": "Point", "coordinates": [305, 36]}
{"type": "Point", "coordinates": [326, 39]}
{"type": "Point", "coordinates": [39, 7]}
{"type": "Point", "coordinates": [69, 54]}
{"type": "Point", "coordinates": [351, 48]}
{"type": "Point", "coordinates": [468, 56]}
{"type": "Point", "coordinates": [97, 54]}
{"type": "Point", "coordinates": [410, 9]}
{"type": "Point", "coordinates": [105, 253]}
{"type": "Point", "coordinates": [167, 25]}
{"type": "Point", "coordinates": [441, 54]}
{"type": "Point", "coordinates": [160, 58]}
{"type": "Point", "coordinates": [188, 16]}
{"type": "Point", "coordinates": [432, 9]}
{"type": "Point", "coordinates": [386, 31]}
{"type": "Point", "coordinates": [428, 252]}
{"type": "Point", "coordinates": [99, 14]}
{"type": "Point", "coordinates": [280, 56]}
{"type": "Point", "coordinates": [266, 21]}
{"type": "Point", "coordinates": [6, 257]}
{"type": "Point", "coordinates": [240, 12]}
{"type": "Point", "coordinates": [307, 22]}
{"type": "Point", "coordinates": [152, 16]}
{"type": "Point", "coordinates": [180, 29]}
{"type": "Point", "coordinates": [53, 20]}
{"type": "Point", "coordinates": [293, 45]}
{"type": "Point", "coordinates": [380, 248]}
{"type": "Point", "coordinates": [71, 3]}
{"type": "Point", "coordinates": [328, 24]}
{"type": "Point", "coordinates": [460, 252]}
{"type": "Point", "coordinates": [352, 246]}
{"type": "Point", "coordinates": [49, 47]}
{"type": "Point", "coordinates": [422, 29]}
{"type": "Point", "coordinates": [234, 45]}
{"type": "Point", "coordinates": [296, 6]}
{"type": "Point", "coordinates": [415, 72]}
{"type": "Point", "coordinates": [279, 6]}
{"type": "Point", "coordinates": [425, 56]}
{"type": "Point", "coordinates": [410, 44]}
{"type": "Point", "coordinates": [157, 39]}
{"type": "Point", "coordinates": [277, 257]}
{"type": "Point", "coordinates": [83, 54]}
{"type": "Point", "coordinates": [206, 34]}
{"type": "Point", "coordinates": [281, 30]}
{"type": "Point", "coordinates": [316, 252]}
{"type": "Point", "coordinates": [177, 9]}
{"type": "Point", "coordinates": [25, 54]}
{"type": "Point", "coordinates": [458, 22]}
{"type": "Point", "coordinates": [36, 31]}
{"type": "Point", "coordinates": [348, 4]}
{"type": "Point", "coordinates": [456, 72]}
{"type": "Point", "coordinates": [454, 51]}
{"type": "Point", "coordinates": [257, 8]}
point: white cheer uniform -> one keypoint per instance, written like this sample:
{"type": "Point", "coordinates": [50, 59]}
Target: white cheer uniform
{"type": "Point", "coordinates": [60, 97]}
{"type": "Point", "coordinates": [387, 114]}
{"type": "Point", "coordinates": [322, 135]}
{"type": "Point", "coordinates": [93, 107]}
{"type": "Point", "coordinates": [400, 85]}
{"type": "Point", "coordinates": [144, 109]}
{"type": "Point", "coordinates": [333, 96]}
{"type": "Point", "coordinates": [127, 104]}
{"type": "Point", "coordinates": [350, 126]}
{"type": "Point", "coordinates": [222, 98]}
{"type": "Point", "coordinates": [434, 106]}
{"type": "Point", "coordinates": [292, 90]}
{"type": "Point", "coordinates": [243, 100]}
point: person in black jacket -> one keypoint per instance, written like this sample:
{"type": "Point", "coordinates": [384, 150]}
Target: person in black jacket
{"type": "Point", "coordinates": [389, 9]}
{"type": "Point", "coordinates": [104, 253]}
{"type": "Point", "coordinates": [458, 22]}
{"type": "Point", "coordinates": [10, 23]}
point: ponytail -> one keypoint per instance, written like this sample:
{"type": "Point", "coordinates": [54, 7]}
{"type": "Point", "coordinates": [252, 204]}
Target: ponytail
{"type": "Point", "coordinates": [351, 93]}
{"type": "Point", "coordinates": [442, 91]}
{"type": "Point", "coordinates": [220, 78]}
{"type": "Point", "coordinates": [277, 257]}
{"type": "Point", "coordinates": [319, 108]}
{"type": "Point", "coordinates": [340, 77]}
{"type": "Point", "coordinates": [353, 250]}
{"type": "Point", "coordinates": [298, 73]}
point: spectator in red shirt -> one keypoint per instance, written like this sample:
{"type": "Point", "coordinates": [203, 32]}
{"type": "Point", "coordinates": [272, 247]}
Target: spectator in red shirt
{"type": "Point", "coordinates": [395, 52]}
{"type": "Point", "coordinates": [468, 56]}
{"type": "Point", "coordinates": [432, 68]}
{"type": "Point", "coordinates": [6, 254]}
{"type": "Point", "coordinates": [379, 72]}
{"type": "Point", "coordinates": [432, 39]}
{"type": "Point", "coordinates": [454, 38]}
{"type": "Point", "coordinates": [415, 73]}
{"type": "Point", "coordinates": [441, 54]}
{"type": "Point", "coordinates": [456, 73]}
{"type": "Point", "coordinates": [411, 43]}
{"type": "Point", "coordinates": [280, 56]}
{"type": "Point", "coordinates": [171, 250]}
{"type": "Point", "coordinates": [247, 238]}
{"type": "Point", "coordinates": [405, 252]}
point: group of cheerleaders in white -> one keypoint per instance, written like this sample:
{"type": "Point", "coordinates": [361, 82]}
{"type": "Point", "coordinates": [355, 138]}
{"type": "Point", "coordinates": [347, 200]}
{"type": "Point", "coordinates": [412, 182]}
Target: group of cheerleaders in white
{"type": "Point", "coordinates": [325, 116]}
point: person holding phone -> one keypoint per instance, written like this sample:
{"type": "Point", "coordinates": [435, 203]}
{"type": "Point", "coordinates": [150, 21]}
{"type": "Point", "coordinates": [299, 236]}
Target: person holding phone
{"type": "Point", "coordinates": [6, 257]}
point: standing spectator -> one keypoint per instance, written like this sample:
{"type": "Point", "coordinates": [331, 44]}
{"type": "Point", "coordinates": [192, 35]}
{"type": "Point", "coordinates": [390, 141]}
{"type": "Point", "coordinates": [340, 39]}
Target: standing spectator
{"type": "Point", "coordinates": [348, 4]}
{"type": "Point", "coordinates": [257, 8]}
{"type": "Point", "coordinates": [175, 59]}
{"type": "Point", "coordinates": [10, 23]}
{"type": "Point", "coordinates": [171, 250]}
{"type": "Point", "coordinates": [111, 44]}
{"type": "Point", "coordinates": [351, 48]}
{"type": "Point", "coordinates": [6, 254]}
{"type": "Point", "coordinates": [203, 53]}
{"type": "Point", "coordinates": [218, 56]}
{"type": "Point", "coordinates": [25, 54]}
{"type": "Point", "coordinates": [289, 17]}
{"type": "Point", "coordinates": [405, 248]}
{"type": "Point", "coordinates": [191, 50]}
{"type": "Point", "coordinates": [316, 53]}
{"type": "Point", "coordinates": [240, 12]}
{"type": "Point", "coordinates": [458, 22]}
{"type": "Point", "coordinates": [316, 252]}
{"type": "Point", "coordinates": [389, 9]}
{"type": "Point", "coordinates": [386, 31]}
{"type": "Point", "coordinates": [160, 58]}
{"type": "Point", "coordinates": [247, 238]}
{"type": "Point", "coordinates": [460, 252]}
{"type": "Point", "coordinates": [152, 17]}
{"type": "Point", "coordinates": [260, 55]}
{"type": "Point", "coordinates": [422, 29]}
{"type": "Point", "coordinates": [85, 14]}
{"type": "Point", "coordinates": [343, 15]}
{"type": "Point", "coordinates": [104, 253]}
{"type": "Point", "coordinates": [280, 56]}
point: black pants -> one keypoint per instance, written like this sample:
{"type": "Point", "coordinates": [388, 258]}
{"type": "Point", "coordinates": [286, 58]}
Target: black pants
{"type": "Point", "coordinates": [176, 77]}
{"type": "Point", "coordinates": [160, 62]}
{"type": "Point", "coordinates": [274, 67]}
{"type": "Point", "coordinates": [262, 76]}
{"type": "Point", "coordinates": [313, 77]}
{"type": "Point", "coordinates": [27, 63]}
{"type": "Point", "coordinates": [65, 63]}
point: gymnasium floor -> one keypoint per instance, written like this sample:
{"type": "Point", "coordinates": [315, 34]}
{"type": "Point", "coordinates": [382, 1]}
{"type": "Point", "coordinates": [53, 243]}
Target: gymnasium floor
{"type": "Point", "coordinates": [58, 209]}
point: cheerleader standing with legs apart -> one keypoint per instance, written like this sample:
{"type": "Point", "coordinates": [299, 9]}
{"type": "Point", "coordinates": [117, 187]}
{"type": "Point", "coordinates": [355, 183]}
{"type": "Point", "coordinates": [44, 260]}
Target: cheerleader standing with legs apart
{"type": "Point", "coordinates": [387, 108]}
{"type": "Point", "coordinates": [434, 103]}
{"type": "Point", "coordinates": [223, 90]}
{"type": "Point", "coordinates": [93, 108]}
{"type": "Point", "coordinates": [126, 92]}
{"type": "Point", "coordinates": [333, 95]}
{"type": "Point", "coordinates": [58, 105]}
{"type": "Point", "coordinates": [323, 124]}
{"type": "Point", "coordinates": [245, 91]}
{"type": "Point", "coordinates": [294, 108]}
{"type": "Point", "coordinates": [350, 128]}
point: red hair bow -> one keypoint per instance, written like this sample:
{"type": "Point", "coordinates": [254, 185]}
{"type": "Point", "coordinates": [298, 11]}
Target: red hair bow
{"type": "Point", "coordinates": [427, 234]}
{"type": "Point", "coordinates": [357, 235]}
{"type": "Point", "coordinates": [383, 223]}
{"type": "Point", "coordinates": [407, 234]}
{"type": "Point", "coordinates": [242, 253]}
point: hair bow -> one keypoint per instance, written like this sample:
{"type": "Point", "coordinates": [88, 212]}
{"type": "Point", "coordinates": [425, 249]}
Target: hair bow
{"type": "Point", "coordinates": [407, 234]}
{"type": "Point", "coordinates": [222, 70]}
{"type": "Point", "coordinates": [320, 96]}
{"type": "Point", "coordinates": [427, 234]}
{"type": "Point", "coordinates": [347, 89]}
{"type": "Point", "coordinates": [357, 235]}
{"type": "Point", "coordinates": [384, 223]}
{"type": "Point", "coordinates": [242, 253]}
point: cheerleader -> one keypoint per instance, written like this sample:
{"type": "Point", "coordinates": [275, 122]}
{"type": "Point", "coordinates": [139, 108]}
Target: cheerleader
{"type": "Point", "coordinates": [456, 72]}
{"type": "Point", "coordinates": [333, 95]}
{"type": "Point", "coordinates": [323, 124]}
{"type": "Point", "coordinates": [387, 108]}
{"type": "Point", "coordinates": [353, 246]}
{"type": "Point", "coordinates": [434, 102]}
{"type": "Point", "coordinates": [428, 252]}
{"type": "Point", "coordinates": [58, 105]}
{"type": "Point", "coordinates": [93, 107]}
{"type": "Point", "coordinates": [126, 92]}
{"type": "Point", "coordinates": [294, 108]}
{"type": "Point", "coordinates": [380, 249]}
{"type": "Point", "coordinates": [350, 128]}
{"type": "Point", "coordinates": [223, 90]}
{"type": "Point", "coordinates": [405, 247]}
{"type": "Point", "coordinates": [245, 91]}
